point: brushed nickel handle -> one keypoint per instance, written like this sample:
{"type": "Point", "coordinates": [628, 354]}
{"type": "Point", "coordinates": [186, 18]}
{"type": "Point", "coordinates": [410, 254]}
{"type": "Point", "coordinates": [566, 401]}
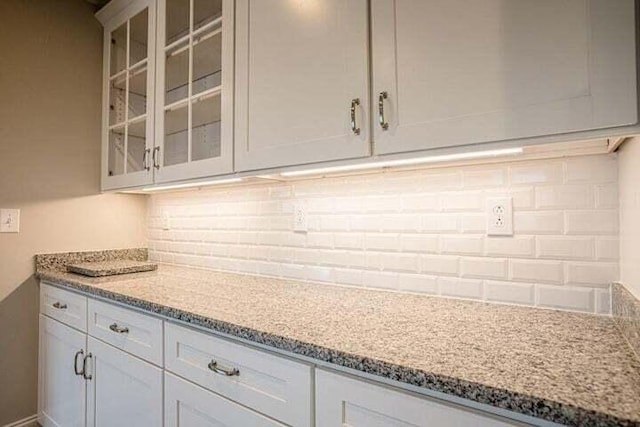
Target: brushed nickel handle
{"type": "Point", "coordinates": [59, 306]}
{"type": "Point", "coordinates": [213, 365]}
{"type": "Point", "coordinates": [354, 127]}
{"type": "Point", "coordinates": [75, 362]}
{"type": "Point", "coordinates": [156, 150]}
{"type": "Point", "coordinates": [119, 329]}
{"type": "Point", "coordinates": [145, 159]}
{"type": "Point", "coordinates": [381, 97]}
{"type": "Point", "coordinates": [84, 367]}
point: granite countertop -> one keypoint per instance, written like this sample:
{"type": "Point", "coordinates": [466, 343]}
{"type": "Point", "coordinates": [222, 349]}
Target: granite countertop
{"type": "Point", "coordinates": [568, 368]}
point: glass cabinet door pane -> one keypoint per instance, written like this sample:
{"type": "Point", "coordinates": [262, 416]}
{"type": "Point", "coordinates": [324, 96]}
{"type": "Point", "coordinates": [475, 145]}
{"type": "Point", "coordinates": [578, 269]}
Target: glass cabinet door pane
{"type": "Point", "coordinates": [176, 79]}
{"type": "Point", "coordinates": [205, 130]}
{"type": "Point", "coordinates": [116, 151]}
{"type": "Point", "coordinates": [138, 39]}
{"type": "Point", "coordinates": [118, 55]}
{"type": "Point", "coordinates": [176, 143]}
{"type": "Point", "coordinates": [177, 25]}
{"type": "Point", "coordinates": [136, 145]}
{"type": "Point", "coordinates": [137, 93]}
{"type": "Point", "coordinates": [207, 61]}
{"type": "Point", "coordinates": [205, 11]}
{"type": "Point", "coordinates": [117, 99]}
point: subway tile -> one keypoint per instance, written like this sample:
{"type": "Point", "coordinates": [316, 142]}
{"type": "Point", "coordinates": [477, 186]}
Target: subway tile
{"type": "Point", "coordinates": [592, 222]}
{"type": "Point", "coordinates": [319, 240]}
{"type": "Point", "coordinates": [423, 243]}
{"type": "Point", "coordinates": [462, 201]}
{"type": "Point", "coordinates": [488, 268]}
{"type": "Point", "coordinates": [607, 249]}
{"type": "Point", "coordinates": [399, 262]}
{"type": "Point", "coordinates": [603, 301]}
{"type": "Point", "coordinates": [482, 177]}
{"type": "Point", "coordinates": [439, 264]}
{"type": "Point", "coordinates": [517, 246]}
{"type": "Point", "coordinates": [538, 222]}
{"type": "Point", "coordinates": [536, 271]}
{"type": "Point", "coordinates": [509, 292]}
{"type": "Point", "coordinates": [421, 202]}
{"type": "Point", "coordinates": [538, 172]}
{"type": "Point", "coordinates": [420, 283]}
{"type": "Point", "coordinates": [598, 169]}
{"type": "Point", "coordinates": [348, 240]}
{"type": "Point", "coordinates": [380, 279]}
{"type": "Point", "coordinates": [566, 298]}
{"type": "Point", "coordinates": [607, 196]}
{"type": "Point", "coordinates": [561, 247]}
{"type": "Point", "coordinates": [348, 277]}
{"type": "Point", "coordinates": [461, 288]}
{"type": "Point", "coordinates": [439, 223]}
{"type": "Point", "coordinates": [565, 197]}
{"type": "Point", "coordinates": [601, 274]}
{"type": "Point", "coordinates": [470, 245]}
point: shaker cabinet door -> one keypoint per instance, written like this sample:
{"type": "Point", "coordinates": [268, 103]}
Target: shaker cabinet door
{"type": "Point", "coordinates": [458, 72]}
{"type": "Point", "coordinates": [62, 392]}
{"type": "Point", "coordinates": [301, 69]}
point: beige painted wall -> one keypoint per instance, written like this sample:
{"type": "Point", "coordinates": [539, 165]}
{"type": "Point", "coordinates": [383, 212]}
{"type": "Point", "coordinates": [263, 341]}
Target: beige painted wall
{"type": "Point", "coordinates": [629, 181]}
{"type": "Point", "coordinates": [50, 90]}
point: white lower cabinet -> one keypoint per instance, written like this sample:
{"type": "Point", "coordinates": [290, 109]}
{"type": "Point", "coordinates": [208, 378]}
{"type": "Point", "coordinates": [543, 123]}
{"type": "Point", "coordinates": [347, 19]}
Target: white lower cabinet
{"type": "Point", "coordinates": [343, 401]}
{"type": "Point", "coordinates": [123, 390]}
{"type": "Point", "coordinates": [61, 394]}
{"type": "Point", "coordinates": [188, 405]}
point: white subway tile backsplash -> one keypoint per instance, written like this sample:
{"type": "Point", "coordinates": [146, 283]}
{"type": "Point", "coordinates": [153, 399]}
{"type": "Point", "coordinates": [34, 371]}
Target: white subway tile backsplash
{"type": "Point", "coordinates": [414, 231]}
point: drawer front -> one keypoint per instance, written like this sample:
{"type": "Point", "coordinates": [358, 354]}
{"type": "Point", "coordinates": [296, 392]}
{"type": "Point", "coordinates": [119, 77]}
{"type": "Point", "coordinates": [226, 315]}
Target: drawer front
{"type": "Point", "coordinates": [133, 332]}
{"type": "Point", "coordinates": [64, 306]}
{"type": "Point", "coordinates": [190, 405]}
{"type": "Point", "coordinates": [272, 385]}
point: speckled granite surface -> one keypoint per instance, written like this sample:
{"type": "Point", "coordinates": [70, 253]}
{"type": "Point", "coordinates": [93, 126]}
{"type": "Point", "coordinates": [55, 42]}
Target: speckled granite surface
{"type": "Point", "coordinates": [563, 367]}
{"type": "Point", "coordinates": [111, 268]}
{"type": "Point", "coordinates": [59, 261]}
{"type": "Point", "coordinates": [626, 313]}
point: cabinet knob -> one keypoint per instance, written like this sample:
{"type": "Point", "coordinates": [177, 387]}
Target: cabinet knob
{"type": "Point", "coordinates": [59, 306]}
{"type": "Point", "coordinates": [119, 329]}
{"type": "Point", "coordinates": [229, 372]}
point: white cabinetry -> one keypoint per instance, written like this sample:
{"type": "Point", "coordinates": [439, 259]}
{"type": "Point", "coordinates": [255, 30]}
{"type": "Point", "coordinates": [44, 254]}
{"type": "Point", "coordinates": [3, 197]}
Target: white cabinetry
{"type": "Point", "coordinates": [459, 72]}
{"type": "Point", "coordinates": [343, 401]}
{"type": "Point", "coordinates": [299, 66]}
{"type": "Point", "coordinates": [61, 388]}
{"type": "Point", "coordinates": [123, 390]}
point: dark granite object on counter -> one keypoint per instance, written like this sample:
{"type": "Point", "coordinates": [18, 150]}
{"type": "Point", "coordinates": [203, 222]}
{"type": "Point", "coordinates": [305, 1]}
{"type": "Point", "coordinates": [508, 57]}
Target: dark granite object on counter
{"type": "Point", "coordinates": [568, 368]}
{"type": "Point", "coordinates": [111, 268]}
{"type": "Point", "coordinates": [626, 313]}
{"type": "Point", "coordinates": [59, 261]}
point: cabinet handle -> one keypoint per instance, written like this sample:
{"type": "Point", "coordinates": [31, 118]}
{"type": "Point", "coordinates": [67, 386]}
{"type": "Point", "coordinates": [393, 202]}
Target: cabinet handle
{"type": "Point", "coordinates": [156, 150]}
{"type": "Point", "coordinates": [145, 161]}
{"type": "Point", "coordinates": [213, 365]}
{"type": "Point", "coordinates": [59, 306]}
{"type": "Point", "coordinates": [75, 362]}
{"type": "Point", "coordinates": [84, 367]}
{"type": "Point", "coordinates": [381, 97]}
{"type": "Point", "coordinates": [119, 329]}
{"type": "Point", "coordinates": [354, 127]}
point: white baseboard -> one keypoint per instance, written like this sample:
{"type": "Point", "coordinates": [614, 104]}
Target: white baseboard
{"type": "Point", "coordinates": [25, 422]}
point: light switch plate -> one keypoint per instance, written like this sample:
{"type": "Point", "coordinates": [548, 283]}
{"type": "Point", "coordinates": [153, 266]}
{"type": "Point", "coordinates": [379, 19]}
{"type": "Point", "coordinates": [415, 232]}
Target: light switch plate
{"type": "Point", "coordinates": [9, 220]}
{"type": "Point", "coordinates": [300, 221]}
{"type": "Point", "coordinates": [500, 216]}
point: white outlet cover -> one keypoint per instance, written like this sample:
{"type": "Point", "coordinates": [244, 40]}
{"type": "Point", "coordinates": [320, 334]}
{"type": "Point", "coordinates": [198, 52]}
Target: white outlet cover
{"type": "Point", "coordinates": [499, 215]}
{"type": "Point", "coordinates": [300, 220]}
{"type": "Point", "coordinates": [9, 220]}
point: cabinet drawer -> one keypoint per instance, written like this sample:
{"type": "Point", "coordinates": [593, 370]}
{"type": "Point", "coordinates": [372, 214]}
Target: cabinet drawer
{"type": "Point", "coordinates": [133, 332]}
{"type": "Point", "coordinates": [64, 306]}
{"type": "Point", "coordinates": [190, 405]}
{"type": "Point", "coordinates": [272, 385]}
{"type": "Point", "coordinates": [342, 401]}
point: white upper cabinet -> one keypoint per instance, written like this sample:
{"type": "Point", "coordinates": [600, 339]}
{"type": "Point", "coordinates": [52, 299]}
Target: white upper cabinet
{"type": "Point", "coordinates": [460, 72]}
{"type": "Point", "coordinates": [194, 89]}
{"type": "Point", "coordinates": [301, 68]}
{"type": "Point", "coordinates": [128, 69]}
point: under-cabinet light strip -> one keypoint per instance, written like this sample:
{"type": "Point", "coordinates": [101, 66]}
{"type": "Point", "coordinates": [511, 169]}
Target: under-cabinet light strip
{"type": "Point", "coordinates": [193, 184]}
{"type": "Point", "coordinates": [405, 162]}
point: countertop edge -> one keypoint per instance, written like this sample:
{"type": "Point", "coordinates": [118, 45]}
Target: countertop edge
{"type": "Point", "coordinates": [516, 402]}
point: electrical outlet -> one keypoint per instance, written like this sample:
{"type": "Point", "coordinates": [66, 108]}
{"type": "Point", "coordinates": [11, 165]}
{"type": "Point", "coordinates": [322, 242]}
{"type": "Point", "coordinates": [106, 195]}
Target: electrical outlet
{"type": "Point", "coordinates": [300, 221]}
{"type": "Point", "coordinates": [166, 221]}
{"type": "Point", "coordinates": [500, 216]}
{"type": "Point", "coordinates": [9, 220]}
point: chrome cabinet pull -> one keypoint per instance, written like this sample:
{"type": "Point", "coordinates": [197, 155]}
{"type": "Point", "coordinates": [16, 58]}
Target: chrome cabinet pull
{"type": "Point", "coordinates": [75, 363]}
{"type": "Point", "coordinates": [59, 306]}
{"type": "Point", "coordinates": [381, 97]}
{"type": "Point", "coordinates": [145, 161]}
{"type": "Point", "coordinates": [213, 365]}
{"type": "Point", "coordinates": [156, 150]}
{"type": "Point", "coordinates": [354, 127]}
{"type": "Point", "coordinates": [84, 367]}
{"type": "Point", "coordinates": [119, 329]}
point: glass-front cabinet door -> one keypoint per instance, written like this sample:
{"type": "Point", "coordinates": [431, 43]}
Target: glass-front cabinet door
{"type": "Point", "coordinates": [128, 114]}
{"type": "Point", "coordinates": [194, 89]}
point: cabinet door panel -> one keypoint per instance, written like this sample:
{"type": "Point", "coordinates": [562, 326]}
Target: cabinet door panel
{"type": "Point", "coordinates": [460, 72]}
{"type": "Point", "coordinates": [299, 65]}
{"type": "Point", "coordinates": [62, 393]}
{"type": "Point", "coordinates": [123, 390]}
{"type": "Point", "coordinates": [344, 401]}
{"type": "Point", "coordinates": [188, 405]}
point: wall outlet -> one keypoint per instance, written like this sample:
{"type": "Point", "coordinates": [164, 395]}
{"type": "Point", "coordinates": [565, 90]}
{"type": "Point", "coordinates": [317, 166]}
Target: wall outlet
{"type": "Point", "coordinates": [500, 216]}
{"type": "Point", "coordinates": [165, 222]}
{"type": "Point", "coordinates": [9, 220]}
{"type": "Point", "coordinates": [300, 220]}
